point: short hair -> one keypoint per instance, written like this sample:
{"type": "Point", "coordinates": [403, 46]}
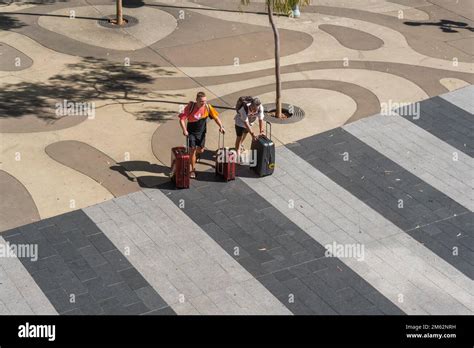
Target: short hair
{"type": "Point", "coordinates": [256, 102]}
{"type": "Point", "coordinates": [200, 95]}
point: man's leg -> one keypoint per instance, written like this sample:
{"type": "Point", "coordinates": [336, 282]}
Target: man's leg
{"type": "Point", "coordinates": [192, 152]}
{"type": "Point", "coordinates": [238, 142]}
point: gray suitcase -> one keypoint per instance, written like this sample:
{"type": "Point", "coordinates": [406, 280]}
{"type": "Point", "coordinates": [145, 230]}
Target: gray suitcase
{"type": "Point", "coordinates": [265, 151]}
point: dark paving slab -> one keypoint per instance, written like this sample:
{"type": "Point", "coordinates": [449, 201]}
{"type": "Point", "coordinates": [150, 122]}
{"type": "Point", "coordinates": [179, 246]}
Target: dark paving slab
{"type": "Point", "coordinates": [353, 38]}
{"type": "Point", "coordinates": [17, 207]}
{"type": "Point", "coordinates": [284, 258]}
{"type": "Point", "coordinates": [446, 121]}
{"type": "Point", "coordinates": [13, 60]}
{"type": "Point", "coordinates": [380, 183]}
{"type": "Point", "coordinates": [95, 164]}
{"type": "Point", "coordinates": [76, 258]}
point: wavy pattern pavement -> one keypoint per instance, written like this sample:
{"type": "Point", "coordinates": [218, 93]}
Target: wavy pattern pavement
{"type": "Point", "coordinates": [390, 59]}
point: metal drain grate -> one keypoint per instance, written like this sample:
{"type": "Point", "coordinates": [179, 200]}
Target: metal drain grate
{"type": "Point", "coordinates": [297, 115]}
{"type": "Point", "coordinates": [130, 22]}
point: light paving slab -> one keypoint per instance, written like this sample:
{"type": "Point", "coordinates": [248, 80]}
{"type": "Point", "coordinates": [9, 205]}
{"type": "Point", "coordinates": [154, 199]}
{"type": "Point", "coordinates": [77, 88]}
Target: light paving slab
{"type": "Point", "coordinates": [463, 98]}
{"type": "Point", "coordinates": [19, 293]}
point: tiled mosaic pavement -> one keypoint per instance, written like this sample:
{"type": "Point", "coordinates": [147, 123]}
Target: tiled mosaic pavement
{"type": "Point", "coordinates": [389, 184]}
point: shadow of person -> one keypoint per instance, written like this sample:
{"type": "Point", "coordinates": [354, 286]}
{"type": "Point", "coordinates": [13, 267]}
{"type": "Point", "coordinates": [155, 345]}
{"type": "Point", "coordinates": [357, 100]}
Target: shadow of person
{"type": "Point", "coordinates": [446, 25]}
{"type": "Point", "coordinates": [146, 181]}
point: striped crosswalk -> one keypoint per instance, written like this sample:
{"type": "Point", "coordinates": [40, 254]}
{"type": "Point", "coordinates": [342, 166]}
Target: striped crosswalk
{"type": "Point", "coordinates": [392, 263]}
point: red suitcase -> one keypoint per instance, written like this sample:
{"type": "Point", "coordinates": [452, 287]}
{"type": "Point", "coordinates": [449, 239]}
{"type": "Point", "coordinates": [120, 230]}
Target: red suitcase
{"type": "Point", "coordinates": [225, 161]}
{"type": "Point", "coordinates": [180, 165]}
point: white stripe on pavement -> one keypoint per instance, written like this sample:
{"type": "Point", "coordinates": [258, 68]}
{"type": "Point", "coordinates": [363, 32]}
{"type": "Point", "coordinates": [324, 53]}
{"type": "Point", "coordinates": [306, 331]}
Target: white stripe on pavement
{"type": "Point", "coordinates": [19, 293]}
{"type": "Point", "coordinates": [462, 98]}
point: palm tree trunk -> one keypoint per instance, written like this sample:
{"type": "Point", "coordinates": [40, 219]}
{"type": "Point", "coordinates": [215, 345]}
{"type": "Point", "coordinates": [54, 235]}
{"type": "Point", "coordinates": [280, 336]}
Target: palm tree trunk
{"type": "Point", "coordinates": [119, 12]}
{"type": "Point", "coordinates": [276, 36]}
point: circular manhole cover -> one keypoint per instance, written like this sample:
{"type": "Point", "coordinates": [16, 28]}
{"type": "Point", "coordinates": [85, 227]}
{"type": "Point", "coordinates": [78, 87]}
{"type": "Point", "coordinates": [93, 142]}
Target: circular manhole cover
{"type": "Point", "coordinates": [294, 113]}
{"type": "Point", "coordinates": [107, 22]}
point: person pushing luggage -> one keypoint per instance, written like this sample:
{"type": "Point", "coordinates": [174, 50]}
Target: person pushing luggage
{"type": "Point", "coordinates": [196, 114]}
{"type": "Point", "coordinates": [248, 110]}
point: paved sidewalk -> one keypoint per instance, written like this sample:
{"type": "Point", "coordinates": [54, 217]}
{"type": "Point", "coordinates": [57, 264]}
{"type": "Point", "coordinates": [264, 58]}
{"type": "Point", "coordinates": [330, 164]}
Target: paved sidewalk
{"type": "Point", "coordinates": [342, 61]}
{"type": "Point", "coordinates": [386, 190]}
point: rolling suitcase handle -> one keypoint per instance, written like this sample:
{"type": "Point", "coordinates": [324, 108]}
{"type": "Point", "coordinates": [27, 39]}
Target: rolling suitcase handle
{"type": "Point", "coordinates": [223, 149]}
{"type": "Point", "coordinates": [186, 169]}
{"type": "Point", "coordinates": [266, 129]}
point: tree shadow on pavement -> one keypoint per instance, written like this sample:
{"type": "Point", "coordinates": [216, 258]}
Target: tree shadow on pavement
{"type": "Point", "coordinates": [445, 25]}
{"type": "Point", "coordinates": [8, 22]}
{"type": "Point", "coordinates": [90, 80]}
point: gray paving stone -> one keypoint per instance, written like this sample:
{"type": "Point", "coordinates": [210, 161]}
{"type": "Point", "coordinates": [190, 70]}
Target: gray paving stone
{"type": "Point", "coordinates": [101, 242]}
{"type": "Point", "coordinates": [87, 305]}
{"type": "Point", "coordinates": [117, 260]}
{"type": "Point", "coordinates": [462, 98]}
{"type": "Point", "coordinates": [77, 238]}
{"type": "Point", "coordinates": [96, 214]}
{"type": "Point", "coordinates": [137, 309]}
{"type": "Point", "coordinates": [150, 298]}
{"type": "Point", "coordinates": [162, 311]}
{"type": "Point", "coordinates": [60, 300]}
{"type": "Point", "coordinates": [82, 270]}
{"type": "Point", "coordinates": [53, 234]}
{"type": "Point", "coordinates": [18, 285]}
{"type": "Point", "coordinates": [133, 278]}
{"type": "Point", "coordinates": [112, 306]}
{"type": "Point", "coordinates": [98, 289]}
{"type": "Point", "coordinates": [92, 256]}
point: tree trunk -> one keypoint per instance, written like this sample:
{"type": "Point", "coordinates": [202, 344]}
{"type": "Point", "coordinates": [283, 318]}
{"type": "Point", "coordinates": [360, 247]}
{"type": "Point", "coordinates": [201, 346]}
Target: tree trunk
{"type": "Point", "coordinates": [276, 36]}
{"type": "Point", "coordinates": [119, 20]}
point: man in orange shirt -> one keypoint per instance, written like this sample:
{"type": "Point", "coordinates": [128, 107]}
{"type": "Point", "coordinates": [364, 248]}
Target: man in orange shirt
{"type": "Point", "coordinates": [196, 114]}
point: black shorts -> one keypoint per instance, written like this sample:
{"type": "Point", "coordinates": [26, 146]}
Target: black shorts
{"type": "Point", "coordinates": [197, 133]}
{"type": "Point", "coordinates": [240, 130]}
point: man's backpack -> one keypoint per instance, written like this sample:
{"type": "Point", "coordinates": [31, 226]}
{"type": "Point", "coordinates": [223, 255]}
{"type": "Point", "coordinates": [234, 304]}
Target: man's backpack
{"type": "Point", "coordinates": [193, 105]}
{"type": "Point", "coordinates": [243, 101]}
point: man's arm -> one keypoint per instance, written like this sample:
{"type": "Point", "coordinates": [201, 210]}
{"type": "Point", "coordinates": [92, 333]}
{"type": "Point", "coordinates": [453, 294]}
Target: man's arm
{"type": "Point", "coordinates": [260, 125]}
{"type": "Point", "coordinates": [219, 123]}
{"type": "Point", "coordinates": [213, 113]}
{"type": "Point", "coordinates": [182, 122]}
{"type": "Point", "coordinates": [261, 116]}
